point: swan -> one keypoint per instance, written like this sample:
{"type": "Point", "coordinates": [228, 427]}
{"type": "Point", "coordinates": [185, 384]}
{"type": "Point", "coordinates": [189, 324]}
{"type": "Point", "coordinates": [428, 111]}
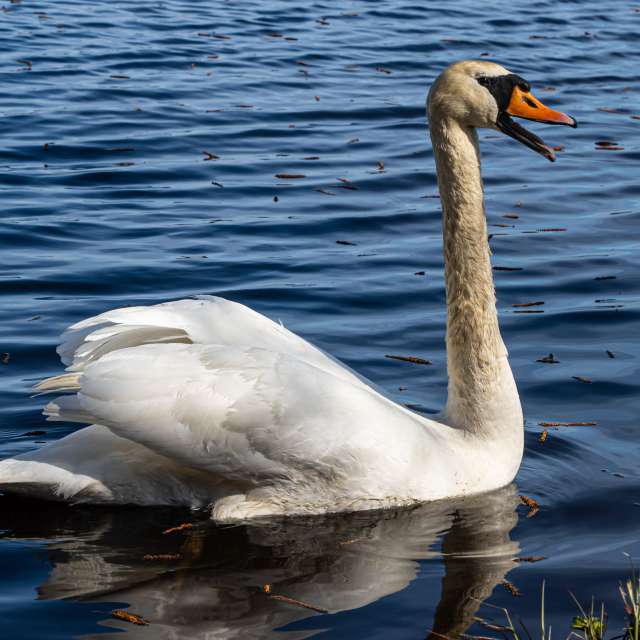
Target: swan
{"type": "Point", "coordinates": [206, 402]}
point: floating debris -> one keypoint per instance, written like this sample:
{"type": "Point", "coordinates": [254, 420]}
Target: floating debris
{"type": "Point", "coordinates": [609, 145]}
{"type": "Point", "coordinates": [290, 176]}
{"type": "Point", "coordinates": [380, 165]}
{"type": "Point", "coordinates": [609, 110]}
{"type": "Point", "coordinates": [353, 140]}
{"type": "Point", "coordinates": [550, 359]}
{"type": "Point", "coordinates": [350, 541]}
{"type": "Point", "coordinates": [610, 354]}
{"type": "Point", "coordinates": [511, 588]}
{"type": "Point", "coordinates": [568, 424]}
{"type": "Point", "coordinates": [532, 504]}
{"type": "Point", "coordinates": [162, 556]}
{"type": "Point", "coordinates": [605, 278]}
{"type": "Point", "coordinates": [346, 184]}
{"type": "Point", "coordinates": [543, 437]}
{"type": "Point", "coordinates": [119, 77]}
{"type": "Point", "coordinates": [26, 63]}
{"type": "Point", "coordinates": [133, 618]}
{"type": "Point", "coordinates": [384, 70]}
{"type": "Point", "coordinates": [5, 358]}
{"type": "Point", "coordinates": [582, 379]}
{"type": "Point", "coordinates": [413, 359]}
{"type": "Point", "coordinates": [311, 158]}
{"type": "Point", "coordinates": [511, 216]}
{"type": "Point", "coordinates": [210, 156]}
{"type": "Point", "coordinates": [507, 268]}
{"type": "Point", "coordinates": [266, 589]}
{"type": "Point", "coordinates": [419, 273]}
{"type": "Point", "coordinates": [181, 527]}
{"type": "Point", "coordinates": [528, 304]}
{"type": "Point", "coordinates": [34, 433]}
{"type": "Point", "coordinates": [530, 559]}
{"type": "Point", "coordinates": [351, 244]}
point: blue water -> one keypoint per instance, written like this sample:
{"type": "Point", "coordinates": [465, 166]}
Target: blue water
{"type": "Point", "coordinates": [106, 112]}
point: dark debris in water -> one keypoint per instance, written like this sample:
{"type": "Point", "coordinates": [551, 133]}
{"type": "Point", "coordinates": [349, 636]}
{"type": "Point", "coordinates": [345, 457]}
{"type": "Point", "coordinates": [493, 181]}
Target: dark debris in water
{"type": "Point", "coordinates": [568, 424]}
{"type": "Point", "coordinates": [412, 359]}
{"type": "Point", "coordinates": [133, 618]}
{"type": "Point", "coordinates": [532, 504]}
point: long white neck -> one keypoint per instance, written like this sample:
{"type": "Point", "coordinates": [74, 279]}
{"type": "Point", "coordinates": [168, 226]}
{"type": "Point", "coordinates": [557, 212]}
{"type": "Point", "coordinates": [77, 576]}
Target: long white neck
{"type": "Point", "coordinates": [482, 396]}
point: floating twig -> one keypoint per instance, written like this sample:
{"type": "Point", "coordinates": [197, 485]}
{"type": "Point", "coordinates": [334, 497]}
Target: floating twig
{"type": "Point", "coordinates": [413, 359]}
{"type": "Point", "coordinates": [532, 504]}
{"type": "Point", "coordinates": [511, 588]}
{"type": "Point", "coordinates": [133, 618]}
{"type": "Point", "coordinates": [530, 559]}
{"type": "Point", "coordinates": [181, 527]}
{"type": "Point", "coordinates": [568, 424]}
{"type": "Point", "coordinates": [298, 603]}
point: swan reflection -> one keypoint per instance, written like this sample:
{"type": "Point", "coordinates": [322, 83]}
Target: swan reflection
{"type": "Point", "coordinates": [215, 590]}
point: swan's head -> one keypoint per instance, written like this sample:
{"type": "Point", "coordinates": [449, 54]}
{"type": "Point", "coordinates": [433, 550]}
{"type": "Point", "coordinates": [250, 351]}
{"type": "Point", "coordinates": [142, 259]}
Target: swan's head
{"type": "Point", "coordinates": [483, 94]}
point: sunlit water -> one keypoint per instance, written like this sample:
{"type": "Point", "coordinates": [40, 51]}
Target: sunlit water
{"type": "Point", "coordinates": [109, 199]}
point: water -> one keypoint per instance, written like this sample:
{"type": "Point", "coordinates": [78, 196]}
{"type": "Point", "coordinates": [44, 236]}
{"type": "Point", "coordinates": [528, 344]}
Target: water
{"type": "Point", "coordinates": [109, 200]}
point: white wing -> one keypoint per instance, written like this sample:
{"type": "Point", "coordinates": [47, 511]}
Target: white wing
{"type": "Point", "coordinates": [216, 387]}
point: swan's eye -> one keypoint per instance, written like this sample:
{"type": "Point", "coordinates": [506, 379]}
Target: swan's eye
{"type": "Point", "coordinates": [501, 87]}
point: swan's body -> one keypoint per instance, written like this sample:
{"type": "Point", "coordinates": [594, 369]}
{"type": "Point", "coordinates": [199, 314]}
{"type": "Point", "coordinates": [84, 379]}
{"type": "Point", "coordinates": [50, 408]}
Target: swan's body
{"type": "Point", "coordinates": [207, 402]}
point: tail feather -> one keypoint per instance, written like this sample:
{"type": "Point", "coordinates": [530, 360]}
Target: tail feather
{"type": "Point", "coordinates": [56, 384]}
{"type": "Point", "coordinates": [67, 409]}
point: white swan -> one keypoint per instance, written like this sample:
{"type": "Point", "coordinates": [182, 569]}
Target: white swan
{"type": "Point", "coordinates": [205, 401]}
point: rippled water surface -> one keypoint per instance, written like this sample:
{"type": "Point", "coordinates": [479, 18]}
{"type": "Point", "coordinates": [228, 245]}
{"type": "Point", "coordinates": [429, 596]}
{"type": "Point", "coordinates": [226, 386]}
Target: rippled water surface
{"type": "Point", "coordinates": [109, 113]}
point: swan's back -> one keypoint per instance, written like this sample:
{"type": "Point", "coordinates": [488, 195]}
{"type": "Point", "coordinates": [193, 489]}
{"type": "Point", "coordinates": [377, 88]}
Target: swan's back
{"type": "Point", "coordinates": [216, 388]}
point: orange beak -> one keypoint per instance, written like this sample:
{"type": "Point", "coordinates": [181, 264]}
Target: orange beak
{"type": "Point", "coordinates": [524, 104]}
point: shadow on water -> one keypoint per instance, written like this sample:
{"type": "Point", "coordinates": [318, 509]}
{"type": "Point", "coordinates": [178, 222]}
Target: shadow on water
{"type": "Point", "coordinates": [215, 589]}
